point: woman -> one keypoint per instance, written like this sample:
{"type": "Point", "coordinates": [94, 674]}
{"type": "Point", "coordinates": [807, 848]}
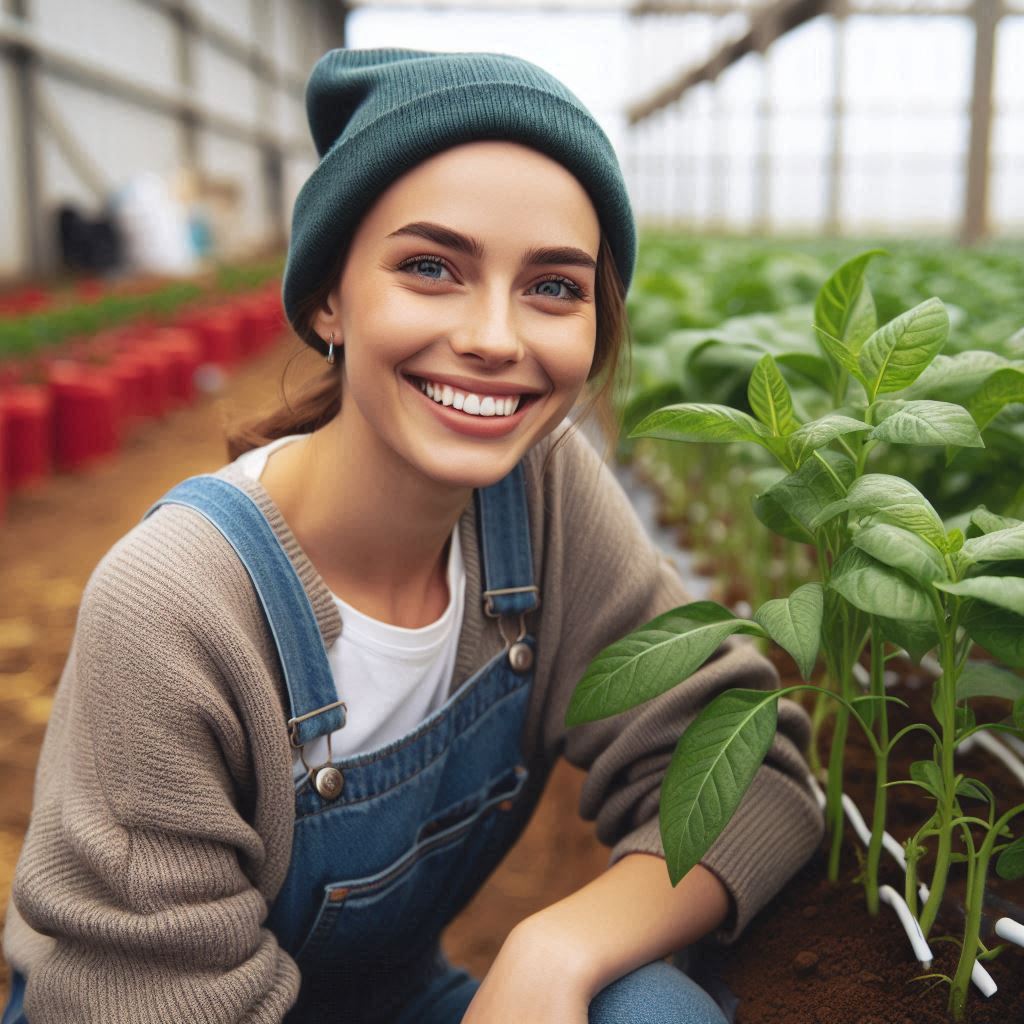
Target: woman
{"type": "Point", "coordinates": [313, 697]}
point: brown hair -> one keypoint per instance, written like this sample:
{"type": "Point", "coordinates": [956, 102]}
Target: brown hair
{"type": "Point", "coordinates": [319, 399]}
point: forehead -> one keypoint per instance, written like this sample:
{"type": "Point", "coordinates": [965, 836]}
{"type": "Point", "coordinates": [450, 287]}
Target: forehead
{"type": "Point", "coordinates": [491, 187]}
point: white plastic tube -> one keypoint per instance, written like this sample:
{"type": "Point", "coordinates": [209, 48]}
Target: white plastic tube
{"type": "Point", "coordinates": [887, 894]}
{"type": "Point", "coordinates": [1000, 751]}
{"type": "Point", "coordinates": [1012, 931]}
{"type": "Point", "coordinates": [981, 979]}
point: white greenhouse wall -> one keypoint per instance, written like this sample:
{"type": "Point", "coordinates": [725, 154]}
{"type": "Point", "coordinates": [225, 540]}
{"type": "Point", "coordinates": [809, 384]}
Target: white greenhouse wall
{"type": "Point", "coordinates": [93, 139]}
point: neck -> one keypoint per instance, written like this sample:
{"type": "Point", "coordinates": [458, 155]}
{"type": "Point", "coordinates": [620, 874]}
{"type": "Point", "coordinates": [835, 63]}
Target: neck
{"type": "Point", "coordinates": [376, 531]}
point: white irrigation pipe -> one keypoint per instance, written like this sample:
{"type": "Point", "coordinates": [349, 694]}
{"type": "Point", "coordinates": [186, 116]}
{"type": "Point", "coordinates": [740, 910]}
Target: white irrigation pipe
{"type": "Point", "coordinates": [982, 980]}
{"type": "Point", "coordinates": [1006, 927]}
{"type": "Point", "coordinates": [1013, 931]}
{"type": "Point", "coordinates": [1003, 753]}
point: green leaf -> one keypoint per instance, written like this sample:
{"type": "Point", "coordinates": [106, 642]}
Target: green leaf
{"type": "Point", "coordinates": [714, 763]}
{"type": "Point", "coordinates": [807, 439]}
{"type": "Point", "coordinates": [970, 789]}
{"type": "Point", "coordinates": [916, 638]}
{"type": "Point", "coordinates": [989, 522]}
{"type": "Point", "coordinates": [894, 356]}
{"type": "Point", "coordinates": [700, 422]}
{"type": "Point", "coordinates": [844, 312]}
{"type": "Point", "coordinates": [1003, 591]}
{"type": "Point", "coordinates": [954, 378]}
{"type": "Point", "coordinates": [1000, 389]}
{"type": "Point", "coordinates": [902, 550]}
{"type": "Point", "coordinates": [929, 775]}
{"type": "Point", "coordinates": [652, 659]}
{"type": "Point", "coordinates": [998, 546]}
{"type": "Point", "coordinates": [929, 423]}
{"type": "Point", "coordinates": [983, 679]}
{"type": "Point", "coordinates": [1010, 864]}
{"type": "Point", "coordinates": [1018, 715]}
{"type": "Point", "coordinates": [878, 590]}
{"type": "Point", "coordinates": [813, 367]}
{"type": "Point", "coordinates": [769, 397]}
{"type": "Point", "coordinates": [1000, 632]}
{"type": "Point", "coordinates": [892, 499]}
{"type": "Point", "coordinates": [789, 506]}
{"type": "Point", "coordinates": [963, 719]}
{"type": "Point", "coordinates": [794, 623]}
{"type": "Point", "coordinates": [648, 401]}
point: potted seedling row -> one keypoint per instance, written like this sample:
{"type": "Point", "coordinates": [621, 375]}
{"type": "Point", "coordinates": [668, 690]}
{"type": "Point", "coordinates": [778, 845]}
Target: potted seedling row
{"type": "Point", "coordinates": [894, 578]}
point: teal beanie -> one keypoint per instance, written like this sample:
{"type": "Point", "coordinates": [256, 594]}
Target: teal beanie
{"type": "Point", "coordinates": [375, 114]}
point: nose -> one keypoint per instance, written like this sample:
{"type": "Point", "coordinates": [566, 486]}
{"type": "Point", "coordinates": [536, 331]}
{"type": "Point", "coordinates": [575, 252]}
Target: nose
{"type": "Point", "coordinates": [488, 333]}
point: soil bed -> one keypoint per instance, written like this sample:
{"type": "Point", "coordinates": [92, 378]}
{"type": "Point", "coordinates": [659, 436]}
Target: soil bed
{"type": "Point", "coordinates": [815, 955]}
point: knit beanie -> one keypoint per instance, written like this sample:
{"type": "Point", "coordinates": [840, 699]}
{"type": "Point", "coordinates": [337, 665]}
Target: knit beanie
{"type": "Point", "coordinates": [375, 114]}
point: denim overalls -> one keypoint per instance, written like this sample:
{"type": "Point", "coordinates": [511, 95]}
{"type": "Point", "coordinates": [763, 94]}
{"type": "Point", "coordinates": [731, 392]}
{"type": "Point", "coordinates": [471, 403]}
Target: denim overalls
{"type": "Point", "coordinates": [389, 845]}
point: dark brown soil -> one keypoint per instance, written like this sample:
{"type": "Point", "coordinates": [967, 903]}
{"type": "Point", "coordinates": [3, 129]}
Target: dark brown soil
{"type": "Point", "coordinates": [815, 955]}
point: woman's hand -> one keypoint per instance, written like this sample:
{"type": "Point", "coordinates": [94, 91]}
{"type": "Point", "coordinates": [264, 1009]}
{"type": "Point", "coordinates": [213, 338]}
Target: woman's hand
{"type": "Point", "coordinates": [529, 981]}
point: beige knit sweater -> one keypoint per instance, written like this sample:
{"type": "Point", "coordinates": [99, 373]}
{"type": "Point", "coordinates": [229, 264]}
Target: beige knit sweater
{"type": "Point", "coordinates": [164, 801]}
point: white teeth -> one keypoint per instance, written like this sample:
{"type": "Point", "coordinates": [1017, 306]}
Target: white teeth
{"type": "Point", "coordinates": [475, 405]}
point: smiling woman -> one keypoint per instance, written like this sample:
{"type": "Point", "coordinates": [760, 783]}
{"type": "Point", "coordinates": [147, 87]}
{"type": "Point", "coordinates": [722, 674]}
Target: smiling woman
{"type": "Point", "coordinates": [315, 696]}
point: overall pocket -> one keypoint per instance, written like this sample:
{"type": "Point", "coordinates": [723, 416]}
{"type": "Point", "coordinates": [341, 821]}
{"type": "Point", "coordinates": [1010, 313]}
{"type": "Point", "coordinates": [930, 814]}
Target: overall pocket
{"type": "Point", "coordinates": [407, 904]}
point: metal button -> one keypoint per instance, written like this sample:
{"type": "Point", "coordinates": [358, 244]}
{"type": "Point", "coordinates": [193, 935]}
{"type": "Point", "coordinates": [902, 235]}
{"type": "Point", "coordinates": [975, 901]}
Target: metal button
{"type": "Point", "coordinates": [520, 657]}
{"type": "Point", "coordinates": [329, 782]}
{"type": "Point", "coordinates": [505, 805]}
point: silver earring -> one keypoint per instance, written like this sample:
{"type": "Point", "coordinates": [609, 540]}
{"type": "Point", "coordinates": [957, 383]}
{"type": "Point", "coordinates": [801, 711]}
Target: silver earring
{"type": "Point", "coordinates": [330, 350]}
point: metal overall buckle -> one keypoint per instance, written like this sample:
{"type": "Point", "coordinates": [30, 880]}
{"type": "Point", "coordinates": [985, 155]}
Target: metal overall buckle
{"type": "Point", "coordinates": [520, 655]}
{"type": "Point", "coordinates": [327, 780]}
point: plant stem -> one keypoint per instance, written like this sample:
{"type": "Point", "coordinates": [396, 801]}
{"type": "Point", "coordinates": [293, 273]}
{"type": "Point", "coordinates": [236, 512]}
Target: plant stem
{"type": "Point", "coordinates": [881, 769]}
{"type": "Point", "coordinates": [972, 926]}
{"type": "Point", "coordinates": [834, 808]}
{"type": "Point", "coordinates": [947, 707]}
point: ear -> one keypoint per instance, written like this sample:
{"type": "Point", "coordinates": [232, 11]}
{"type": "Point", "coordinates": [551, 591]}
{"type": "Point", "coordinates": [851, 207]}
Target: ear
{"type": "Point", "coordinates": [327, 319]}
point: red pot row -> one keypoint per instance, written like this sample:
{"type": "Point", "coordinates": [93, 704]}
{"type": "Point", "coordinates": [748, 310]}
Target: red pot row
{"type": "Point", "coordinates": [64, 412]}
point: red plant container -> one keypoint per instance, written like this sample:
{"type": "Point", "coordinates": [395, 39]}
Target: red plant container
{"type": "Point", "coordinates": [3, 474]}
{"type": "Point", "coordinates": [261, 320]}
{"type": "Point", "coordinates": [85, 414]}
{"type": "Point", "coordinates": [130, 378]}
{"type": "Point", "coordinates": [219, 333]}
{"type": "Point", "coordinates": [28, 422]}
{"type": "Point", "coordinates": [183, 352]}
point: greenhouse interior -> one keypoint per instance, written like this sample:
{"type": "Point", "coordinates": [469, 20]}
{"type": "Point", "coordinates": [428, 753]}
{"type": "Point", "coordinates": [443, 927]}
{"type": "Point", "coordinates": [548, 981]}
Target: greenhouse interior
{"type": "Point", "coordinates": [803, 345]}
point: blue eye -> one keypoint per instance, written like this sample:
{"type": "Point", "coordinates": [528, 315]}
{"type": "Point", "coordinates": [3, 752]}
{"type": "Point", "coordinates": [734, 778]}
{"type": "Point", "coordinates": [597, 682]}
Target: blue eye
{"type": "Point", "coordinates": [575, 292]}
{"type": "Point", "coordinates": [418, 262]}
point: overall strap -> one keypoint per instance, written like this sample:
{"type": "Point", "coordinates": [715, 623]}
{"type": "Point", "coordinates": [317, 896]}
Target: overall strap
{"type": "Point", "coordinates": [315, 708]}
{"type": "Point", "coordinates": [504, 529]}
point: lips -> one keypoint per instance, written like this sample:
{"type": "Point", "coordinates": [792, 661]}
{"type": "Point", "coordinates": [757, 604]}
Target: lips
{"type": "Point", "coordinates": [484, 427]}
{"type": "Point", "coordinates": [525, 397]}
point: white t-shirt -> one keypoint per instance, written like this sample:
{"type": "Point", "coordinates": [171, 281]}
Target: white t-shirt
{"type": "Point", "coordinates": [390, 677]}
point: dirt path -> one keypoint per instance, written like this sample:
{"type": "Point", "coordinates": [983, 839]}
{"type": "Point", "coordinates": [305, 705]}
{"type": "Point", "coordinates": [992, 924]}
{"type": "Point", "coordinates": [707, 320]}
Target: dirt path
{"type": "Point", "coordinates": [50, 542]}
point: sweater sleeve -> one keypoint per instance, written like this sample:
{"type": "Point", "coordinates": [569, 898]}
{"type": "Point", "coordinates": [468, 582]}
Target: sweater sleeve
{"type": "Point", "coordinates": [614, 580]}
{"type": "Point", "coordinates": [141, 857]}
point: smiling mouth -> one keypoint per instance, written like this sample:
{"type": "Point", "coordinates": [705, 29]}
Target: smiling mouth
{"type": "Point", "coordinates": [472, 403]}
{"type": "Point", "coordinates": [524, 400]}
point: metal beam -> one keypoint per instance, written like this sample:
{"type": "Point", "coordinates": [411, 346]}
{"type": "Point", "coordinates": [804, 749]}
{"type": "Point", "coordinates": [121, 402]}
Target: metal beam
{"type": "Point", "coordinates": [986, 15]}
{"type": "Point", "coordinates": [16, 35]}
{"type": "Point", "coordinates": [766, 27]}
{"type": "Point", "coordinates": [26, 143]}
{"type": "Point", "coordinates": [231, 45]}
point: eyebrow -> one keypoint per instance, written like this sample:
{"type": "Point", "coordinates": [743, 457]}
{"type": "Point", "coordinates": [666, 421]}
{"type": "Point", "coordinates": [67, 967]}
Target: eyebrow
{"type": "Point", "coordinates": [472, 247]}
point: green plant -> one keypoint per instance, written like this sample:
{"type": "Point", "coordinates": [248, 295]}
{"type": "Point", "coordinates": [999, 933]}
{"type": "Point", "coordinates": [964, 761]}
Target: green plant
{"type": "Point", "coordinates": [892, 573]}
